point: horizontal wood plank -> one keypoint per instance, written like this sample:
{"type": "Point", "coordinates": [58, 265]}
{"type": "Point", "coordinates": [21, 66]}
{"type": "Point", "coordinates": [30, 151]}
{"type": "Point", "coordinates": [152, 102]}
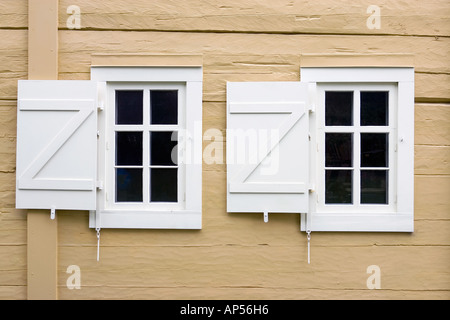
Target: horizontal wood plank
{"type": "Point", "coordinates": [432, 124]}
{"type": "Point", "coordinates": [245, 51]}
{"type": "Point", "coordinates": [242, 292]}
{"type": "Point", "coordinates": [262, 266]}
{"type": "Point", "coordinates": [13, 14]}
{"type": "Point", "coordinates": [325, 17]}
{"type": "Point", "coordinates": [248, 230]}
{"type": "Point", "coordinates": [433, 160]}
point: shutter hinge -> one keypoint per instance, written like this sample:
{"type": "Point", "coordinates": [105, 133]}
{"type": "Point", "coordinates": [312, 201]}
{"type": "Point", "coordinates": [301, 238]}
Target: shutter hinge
{"type": "Point", "coordinates": [100, 107]}
{"type": "Point", "coordinates": [312, 108]}
{"type": "Point", "coordinates": [99, 185]}
{"type": "Point", "coordinates": [52, 212]}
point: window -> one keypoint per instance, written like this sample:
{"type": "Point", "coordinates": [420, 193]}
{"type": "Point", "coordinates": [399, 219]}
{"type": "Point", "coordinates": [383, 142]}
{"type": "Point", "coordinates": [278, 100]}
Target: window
{"type": "Point", "coordinates": [150, 152]}
{"type": "Point", "coordinates": [362, 149]}
{"type": "Point", "coordinates": [344, 148]}
{"type": "Point", "coordinates": [122, 145]}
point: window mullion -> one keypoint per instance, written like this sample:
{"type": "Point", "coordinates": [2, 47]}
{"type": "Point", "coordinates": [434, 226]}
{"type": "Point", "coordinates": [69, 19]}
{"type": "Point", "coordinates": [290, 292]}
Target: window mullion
{"type": "Point", "coordinates": [356, 148]}
{"type": "Point", "coordinates": [146, 148]}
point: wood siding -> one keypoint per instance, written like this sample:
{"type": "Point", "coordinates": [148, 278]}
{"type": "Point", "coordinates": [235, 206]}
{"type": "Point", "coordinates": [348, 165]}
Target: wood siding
{"type": "Point", "coordinates": [238, 256]}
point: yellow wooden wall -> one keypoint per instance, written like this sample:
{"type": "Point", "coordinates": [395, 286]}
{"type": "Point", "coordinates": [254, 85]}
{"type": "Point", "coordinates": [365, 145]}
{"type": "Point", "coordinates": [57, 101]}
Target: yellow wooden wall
{"type": "Point", "coordinates": [238, 256]}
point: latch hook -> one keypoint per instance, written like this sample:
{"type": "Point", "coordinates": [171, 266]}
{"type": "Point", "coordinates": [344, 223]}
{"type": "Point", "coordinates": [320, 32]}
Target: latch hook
{"type": "Point", "coordinates": [308, 236]}
{"type": "Point", "coordinates": [98, 243]}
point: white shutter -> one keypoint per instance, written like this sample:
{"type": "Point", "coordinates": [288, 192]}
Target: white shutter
{"type": "Point", "coordinates": [56, 145]}
{"type": "Point", "coordinates": [267, 147]}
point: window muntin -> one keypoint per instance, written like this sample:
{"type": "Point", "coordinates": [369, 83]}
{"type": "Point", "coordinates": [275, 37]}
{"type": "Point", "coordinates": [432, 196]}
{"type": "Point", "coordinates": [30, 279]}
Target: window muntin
{"type": "Point", "coordinates": [356, 133]}
{"type": "Point", "coordinates": [144, 123]}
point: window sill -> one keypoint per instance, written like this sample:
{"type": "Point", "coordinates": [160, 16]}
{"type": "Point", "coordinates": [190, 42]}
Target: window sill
{"type": "Point", "coordinates": [360, 222]}
{"type": "Point", "coordinates": [168, 219]}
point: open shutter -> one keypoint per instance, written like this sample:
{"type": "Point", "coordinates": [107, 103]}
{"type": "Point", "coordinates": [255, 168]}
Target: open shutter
{"type": "Point", "coordinates": [56, 145]}
{"type": "Point", "coordinates": [267, 147]}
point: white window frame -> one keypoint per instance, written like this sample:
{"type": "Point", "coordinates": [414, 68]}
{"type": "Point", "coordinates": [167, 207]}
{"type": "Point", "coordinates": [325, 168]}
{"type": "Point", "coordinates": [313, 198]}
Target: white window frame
{"type": "Point", "coordinates": [187, 213]}
{"type": "Point", "coordinates": [398, 218]}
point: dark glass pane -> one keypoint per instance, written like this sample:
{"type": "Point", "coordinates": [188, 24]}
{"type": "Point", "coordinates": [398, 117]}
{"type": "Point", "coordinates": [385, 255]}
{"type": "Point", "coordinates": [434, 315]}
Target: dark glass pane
{"type": "Point", "coordinates": [128, 148]}
{"type": "Point", "coordinates": [338, 149]}
{"type": "Point", "coordinates": [163, 151]}
{"type": "Point", "coordinates": [164, 107]}
{"type": "Point", "coordinates": [374, 149]}
{"type": "Point", "coordinates": [338, 186]}
{"type": "Point", "coordinates": [128, 185]}
{"type": "Point", "coordinates": [129, 107]}
{"type": "Point", "coordinates": [374, 188]}
{"type": "Point", "coordinates": [164, 185]}
{"type": "Point", "coordinates": [338, 108]}
{"type": "Point", "coordinates": [374, 108]}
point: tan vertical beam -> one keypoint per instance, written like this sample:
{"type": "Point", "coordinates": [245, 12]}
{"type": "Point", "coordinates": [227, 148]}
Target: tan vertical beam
{"type": "Point", "coordinates": [42, 240]}
{"type": "Point", "coordinates": [42, 250]}
{"type": "Point", "coordinates": [43, 39]}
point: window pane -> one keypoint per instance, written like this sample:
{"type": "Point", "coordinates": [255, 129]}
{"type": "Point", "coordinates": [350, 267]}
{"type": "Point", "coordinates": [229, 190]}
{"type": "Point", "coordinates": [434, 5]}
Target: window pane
{"type": "Point", "coordinates": [163, 151]}
{"type": "Point", "coordinates": [164, 107]}
{"type": "Point", "coordinates": [374, 188]}
{"type": "Point", "coordinates": [164, 185]}
{"type": "Point", "coordinates": [374, 149]}
{"type": "Point", "coordinates": [338, 149]}
{"type": "Point", "coordinates": [129, 107]}
{"type": "Point", "coordinates": [338, 186]}
{"type": "Point", "coordinates": [338, 108]}
{"type": "Point", "coordinates": [374, 108]}
{"type": "Point", "coordinates": [128, 185]}
{"type": "Point", "coordinates": [128, 148]}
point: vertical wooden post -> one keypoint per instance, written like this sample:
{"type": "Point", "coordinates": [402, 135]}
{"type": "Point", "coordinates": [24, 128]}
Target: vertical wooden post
{"type": "Point", "coordinates": [42, 250]}
{"type": "Point", "coordinates": [42, 240]}
{"type": "Point", "coordinates": [43, 39]}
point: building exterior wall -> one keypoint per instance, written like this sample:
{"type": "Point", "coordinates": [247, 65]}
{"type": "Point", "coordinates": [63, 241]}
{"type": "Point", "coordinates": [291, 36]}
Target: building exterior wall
{"type": "Point", "coordinates": [238, 256]}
